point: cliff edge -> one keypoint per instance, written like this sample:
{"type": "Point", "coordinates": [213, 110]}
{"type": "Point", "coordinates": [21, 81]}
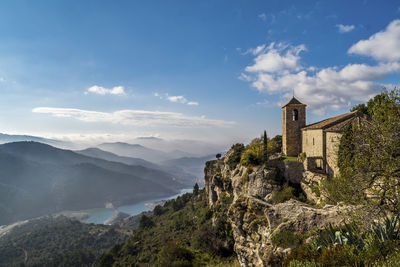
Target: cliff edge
{"type": "Point", "coordinates": [264, 230]}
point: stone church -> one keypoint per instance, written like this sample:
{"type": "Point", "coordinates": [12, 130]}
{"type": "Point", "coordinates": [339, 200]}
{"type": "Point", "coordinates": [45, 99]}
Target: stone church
{"type": "Point", "coordinates": [319, 141]}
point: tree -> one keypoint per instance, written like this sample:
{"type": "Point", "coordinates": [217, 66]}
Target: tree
{"type": "Point", "coordinates": [370, 174]}
{"type": "Point", "coordinates": [265, 147]}
{"type": "Point", "coordinates": [195, 189]}
{"type": "Point", "coordinates": [145, 222]}
{"type": "Point", "coordinates": [218, 156]}
{"type": "Point", "coordinates": [158, 210]}
{"type": "Point", "coordinates": [361, 108]}
{"type": "Point", "coordinates": [174, 255]}
{"type": "Point", "coordinates": [253, 155]}
{"type": "Point", "coordinates": [346, 152]}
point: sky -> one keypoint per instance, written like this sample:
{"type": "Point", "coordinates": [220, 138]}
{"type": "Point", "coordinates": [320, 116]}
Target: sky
{"type": "Point", "coordinates": [211, 70]}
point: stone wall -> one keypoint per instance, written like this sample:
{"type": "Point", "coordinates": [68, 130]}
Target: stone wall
{"type": "Point", "coordinates": [291, 129]}
{"type": "Point", "coordinates": [332, 147]}
{"type": "Point", "coordinates": [313, 145]}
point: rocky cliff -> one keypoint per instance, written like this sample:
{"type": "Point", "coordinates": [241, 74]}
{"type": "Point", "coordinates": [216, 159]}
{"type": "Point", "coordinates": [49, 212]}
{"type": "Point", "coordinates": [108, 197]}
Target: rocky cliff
{"type": "Point", "coordinates": [264, 231]}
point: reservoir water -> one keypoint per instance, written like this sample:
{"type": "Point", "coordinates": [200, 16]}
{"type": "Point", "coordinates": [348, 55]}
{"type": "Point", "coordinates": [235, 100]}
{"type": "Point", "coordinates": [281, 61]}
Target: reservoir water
{"type": "Point", "coordinates": [99, 216]}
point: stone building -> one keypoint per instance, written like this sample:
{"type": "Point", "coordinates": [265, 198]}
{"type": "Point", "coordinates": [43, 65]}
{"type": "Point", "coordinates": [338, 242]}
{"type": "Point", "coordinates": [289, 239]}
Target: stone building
{"type": "Point", "coordinates": [319, 141]}
{"type": "Point", "coordinates": [293, 120]}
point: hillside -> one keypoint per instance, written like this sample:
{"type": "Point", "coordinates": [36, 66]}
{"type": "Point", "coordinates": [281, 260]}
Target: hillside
{"type": "Point", "coordinates": [135, 151]}
{"type": "Point", "coordinates": [186, 174]}
{"type": "Point", "coordinates": [181, 233]}
{"type": "Point", "coordinates": [37, 179]}
{"type": "Point", "coordinates": [262, 214]}
{"type": "Point", "coordinates": [95, 152]}
{"type": "Point", "coordinates": [190, 165]}
{"type": "Point", "coordinates": [57, 241]}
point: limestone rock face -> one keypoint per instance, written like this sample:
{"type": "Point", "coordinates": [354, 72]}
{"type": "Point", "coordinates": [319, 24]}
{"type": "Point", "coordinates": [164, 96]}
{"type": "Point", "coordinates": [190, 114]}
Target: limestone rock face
{"type": "Point", "coordinates": [254, 220]}
{"type": "Point", "coordinates": [311, 184]}
{"type": "Point", "coordinates": [117, 217]}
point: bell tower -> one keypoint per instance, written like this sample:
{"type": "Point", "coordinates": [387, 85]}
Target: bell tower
{"type": "Point", "coordinates": [293, 119]}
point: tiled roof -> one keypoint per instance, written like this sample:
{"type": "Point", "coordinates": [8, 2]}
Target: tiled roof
{"type": "Point", "coordinates": [334, 124]}
{"type": "Point", "coordinates": [293, 101]}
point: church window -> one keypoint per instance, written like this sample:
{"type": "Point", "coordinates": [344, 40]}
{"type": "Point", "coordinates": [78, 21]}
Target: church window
{"type": "Point", "coordinates": [295, 114]}
{"type": "Point", "coordinates": [313, 141]}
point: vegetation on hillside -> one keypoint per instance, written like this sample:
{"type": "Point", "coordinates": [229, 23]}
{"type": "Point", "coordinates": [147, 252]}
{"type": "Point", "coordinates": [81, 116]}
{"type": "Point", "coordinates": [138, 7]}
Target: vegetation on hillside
{"type": "Point", "coordinates": [369, 164]}
{"type": "Point", "coordinates": [350, 245]}
{"type": "Point", "coordinates": [369, 158]}
{"type": "Point", "coordinates": [260, 149]}
{"type": "Point", "coordinates": [181, 233]}
{"type": "Point", "coordinates": [57, 241]}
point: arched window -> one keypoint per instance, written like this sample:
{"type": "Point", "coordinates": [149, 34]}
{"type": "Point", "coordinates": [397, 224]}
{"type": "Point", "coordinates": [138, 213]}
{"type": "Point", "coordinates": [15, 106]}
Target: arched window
{"type": "Point", "coordinates": [295, 114]}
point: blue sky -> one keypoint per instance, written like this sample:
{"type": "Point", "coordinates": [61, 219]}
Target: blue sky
{"type": "Point", "coordinates": [205, 70]}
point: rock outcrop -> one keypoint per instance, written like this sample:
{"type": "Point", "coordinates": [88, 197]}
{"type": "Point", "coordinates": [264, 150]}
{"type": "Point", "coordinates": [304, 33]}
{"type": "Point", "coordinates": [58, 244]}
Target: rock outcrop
{"type": "Point", "coordinates": [253, 217]}
{"type": "Point", "coordinates": [117, 217]}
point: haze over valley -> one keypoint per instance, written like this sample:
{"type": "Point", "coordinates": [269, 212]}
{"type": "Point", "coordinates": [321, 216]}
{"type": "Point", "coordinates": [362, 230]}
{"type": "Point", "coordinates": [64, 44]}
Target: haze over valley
{"type": "Point", "coordinates": [37, 179]}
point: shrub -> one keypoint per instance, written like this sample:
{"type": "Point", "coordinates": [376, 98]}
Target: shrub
{"type": "Point", "coordinates": [254, 153]}
{"type": "Point", "coordinates": [287, 193]}
{"type": "Point", "coordinates": [234, 158]}
{"type": "Point", "coordinates": [296, 263]}
{"type": "Point", "coordinates": [174, 255]}
{"type": "Point", "coordinates": [280, 196]}
{"type": "Point", "coordinates": [158, 210]}
{"type": "Point", "coordinates": [287, 239]}
{"type": "Point", "coordinates": [145, 222]}
{"type": "Point", "coordinates": [303, 156]}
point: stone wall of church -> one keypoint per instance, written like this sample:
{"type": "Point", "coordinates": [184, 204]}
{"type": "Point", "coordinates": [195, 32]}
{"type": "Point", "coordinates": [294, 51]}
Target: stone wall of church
{"type": "Point", "coordinates": [313, 142]}
{"type": "Point", "coordinates": [332, 147]}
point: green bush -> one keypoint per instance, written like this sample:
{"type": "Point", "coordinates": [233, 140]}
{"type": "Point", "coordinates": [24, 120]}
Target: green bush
{"type": "Point", "coordinates": [296, 263]}
{"type": "Point", "coordinates": [303, 156]}
{"type": "Point", "coordinates": [292, 191]}
{"type": "Point", "coordinates": [280, 196]}
{"type": "Point", "coordinates": [158, 210]}
{"type": "Point", "coordinates": [349, 245]}
{"type": "Point", "coordinates": [254, 153]}
{"type": "Point", "coordinates": [234, 158]}
{"type": "Point", "coordinates": [145, 222]}
{"type": "Point", "coordinates": [173, 255]}
{"type": "Point", "coordinates": [287, 239]}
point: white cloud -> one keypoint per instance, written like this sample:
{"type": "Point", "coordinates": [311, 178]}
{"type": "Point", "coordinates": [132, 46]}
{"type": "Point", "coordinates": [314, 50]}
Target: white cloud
{"type": "Point", "coordinates": [135, 117]}
{"type": "Point", "coordinates": [384, 45]}
{"type": "Point", "coordinates": [117, 90]}
{"type": "Point", "coordinates": [279, 71]}
{"type": "Point", "coordinates": [177, 99]}
{"type": "Point", "coordinates": [328, 88]}
{"type": "Point", "coordinates": [345, 28]}
{"type": "Point", "coordinates": [275, 58]}
{"type": "Point", "coordinates": [262, 16]}
{"type": "Point", "coordinates": [2, 79]}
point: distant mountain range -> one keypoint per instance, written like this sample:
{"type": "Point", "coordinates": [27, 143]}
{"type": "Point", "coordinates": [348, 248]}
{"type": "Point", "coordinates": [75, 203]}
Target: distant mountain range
{"type": "Point", "coordinates": [7, 138]}
{"type": "Point", "coordinates": [186, 170]}
{"type": "Point", "coordinates": [37, 179]}
{"type": "Point", "coordinates": [172, 162]}
{"type": "Point", "coordinates": [135, 151]}
{"type": "Point", "coordinates": [101, 154]}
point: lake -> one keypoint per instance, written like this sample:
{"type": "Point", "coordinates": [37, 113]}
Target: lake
{"type": "Point", "coordinates": [99, 216]}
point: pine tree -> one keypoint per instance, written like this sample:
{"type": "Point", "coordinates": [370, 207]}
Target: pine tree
{"type": "Point", "coordinates": [196, 189]}
{"type": "Point", "coordinates": [265, 146]}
